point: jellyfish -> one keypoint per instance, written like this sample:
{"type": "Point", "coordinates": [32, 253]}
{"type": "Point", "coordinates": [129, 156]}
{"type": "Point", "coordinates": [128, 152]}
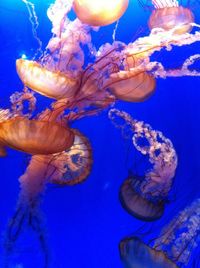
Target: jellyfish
{"type": "Point", "coordinates": [44, 81]}
{"type": "Point", "coordinates": [170, 14]}
{"type": "Point", "coordinates": [145, 196]}
{"type": "Point", "coordinates": [99, 13]}
{"type": "Point", "coordinates": [67, 167]}
{"type": "Point", "coordinates": [174, 246]}
{"type": "Point", "coordinates": [134, 253]}
{"type": "Point", "coordinates": [135, 86]}
{"type": "Point", "coordinates": [32, 135]}
{"type": "Point", "coordinates": [71, 166]}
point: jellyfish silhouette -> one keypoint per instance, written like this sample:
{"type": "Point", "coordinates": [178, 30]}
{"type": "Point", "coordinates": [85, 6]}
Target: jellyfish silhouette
{"type": "Point", "coordinates": [173, 248]}
{"type": "Point", "coordinates": [145, 196]}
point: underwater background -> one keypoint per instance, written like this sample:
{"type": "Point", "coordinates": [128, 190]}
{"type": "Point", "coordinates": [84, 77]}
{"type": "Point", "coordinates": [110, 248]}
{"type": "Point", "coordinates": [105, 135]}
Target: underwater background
{"type": "Point", "coordinates": [86, 222]}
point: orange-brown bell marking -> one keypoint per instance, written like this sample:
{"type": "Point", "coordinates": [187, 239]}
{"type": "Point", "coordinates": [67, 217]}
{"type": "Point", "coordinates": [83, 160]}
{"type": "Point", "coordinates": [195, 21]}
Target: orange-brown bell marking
{"type": "Point", "coordinates": [35, 137]}
{"type": "Point", "coordinates": [2, 151]}
{"type": "Point", "coordinates": [132, 87]}
{"type": "Point", "coordinates": [169, 17]}
{"type": "Point", "coordinates": [50, 84]}
{"type": "Point", "coordinates": [99, 12]}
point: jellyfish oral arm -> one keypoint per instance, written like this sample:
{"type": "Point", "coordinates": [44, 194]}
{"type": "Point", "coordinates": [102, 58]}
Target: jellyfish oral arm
{"type": "Point", "coordinates": [32, 185]}
{"type": "Point", "coordinates": [33, 181]}
{"type": "Point", "coordinates": [181, 235]}
{"type": "Point", "coordinates": [158, 70]}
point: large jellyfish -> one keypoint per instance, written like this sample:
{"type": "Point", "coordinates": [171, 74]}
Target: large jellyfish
{"type": "Point", "coordinates": [145, 196]}
{"type": "Point", "coordinates": [173, 248]}
{"type": "Point", "coordinates": [99, 13]}
{"type": "Point", "coordinates": [32, 135]}
{"type": "Point", "coordinates": [66, 165]}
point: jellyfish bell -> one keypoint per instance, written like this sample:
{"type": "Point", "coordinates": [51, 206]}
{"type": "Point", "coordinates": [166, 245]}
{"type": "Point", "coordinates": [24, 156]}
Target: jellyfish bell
{"type": "Point", "coordinates": [99, 13]}
{"type": "Point", "coordinates": [34, 136]}
{"type": "Point", "coordinates": [48, 83]}
{"type": "Point", "coordinates": [131, 86]}
{"type": "Point", "coordinates": [137, 205]}
{"type": "Point", "coordinates": [71, 166]}
{"type": "Point", "coordinates": [136, 254]}
{"type": "Point", "coordinates": [171, 17]}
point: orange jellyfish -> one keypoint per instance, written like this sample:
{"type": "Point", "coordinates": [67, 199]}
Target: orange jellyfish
{"type": "Point", "coordinates": [57, 73]}
{"type": "Point", "coordinates": [73, 165]}
{"type": "Point", "coordinates": [135, 86]}
{"type": "Point", "coordinates": [170, 15]}
{"type": "Point", "coordinates": [99, 13]}
{"type": "Point", "coordinates": [68, 167]}
{"type": "Point", "coordinates": [51, 84]}
{"type": "Point", "coordinates": [172, 249]}
{"type": "Point", "coordinates": [42, 135]}
{"type": "Point", "coordinates": [124, 76]}
{"type": "Point", "coordinates": [33, 136]}
{"type": "Point", "coordinates": [144, 197]}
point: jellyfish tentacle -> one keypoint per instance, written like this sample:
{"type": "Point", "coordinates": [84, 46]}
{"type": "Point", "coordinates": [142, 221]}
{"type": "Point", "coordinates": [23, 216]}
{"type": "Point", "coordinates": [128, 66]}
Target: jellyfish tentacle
{"type": "Point", "coordinates": [16, 224]}
{"type": "Point", "coordinates": [28, 208]}
{"type": "Point", "coordinates": [145, 198]}
{"type": "Point", "coordinates": [17, 99]}
{"type": "Point", "coordinates": [177, 241]}
{"type": "Point", "coordinates": [172, 249]}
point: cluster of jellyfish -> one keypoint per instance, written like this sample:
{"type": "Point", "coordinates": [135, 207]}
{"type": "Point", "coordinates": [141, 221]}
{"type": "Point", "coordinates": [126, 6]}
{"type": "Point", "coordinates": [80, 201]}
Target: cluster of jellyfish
{"type": "Point", "coordinates": [115, 72]}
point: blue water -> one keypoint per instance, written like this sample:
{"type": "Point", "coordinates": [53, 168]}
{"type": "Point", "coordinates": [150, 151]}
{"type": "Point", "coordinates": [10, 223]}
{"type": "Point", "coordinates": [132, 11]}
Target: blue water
{"type": "Point", "coordinates": [85, 223]}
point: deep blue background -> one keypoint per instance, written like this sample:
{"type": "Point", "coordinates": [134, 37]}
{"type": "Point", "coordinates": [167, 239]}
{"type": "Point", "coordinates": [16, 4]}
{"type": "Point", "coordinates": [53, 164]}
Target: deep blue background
{"type": "Point", "coordinates": [86, 222]}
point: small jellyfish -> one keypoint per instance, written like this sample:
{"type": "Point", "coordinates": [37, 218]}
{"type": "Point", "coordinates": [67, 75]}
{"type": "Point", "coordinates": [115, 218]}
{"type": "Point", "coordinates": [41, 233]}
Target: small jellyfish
{"type": "Point", "coordinates": [169, 14]}
{"type": "Point", "coordinates": [145, 196]}
{"type": "Point", "coordinates": [99, 13]}
{"type": "Point", "coordinates": [172, 249]}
